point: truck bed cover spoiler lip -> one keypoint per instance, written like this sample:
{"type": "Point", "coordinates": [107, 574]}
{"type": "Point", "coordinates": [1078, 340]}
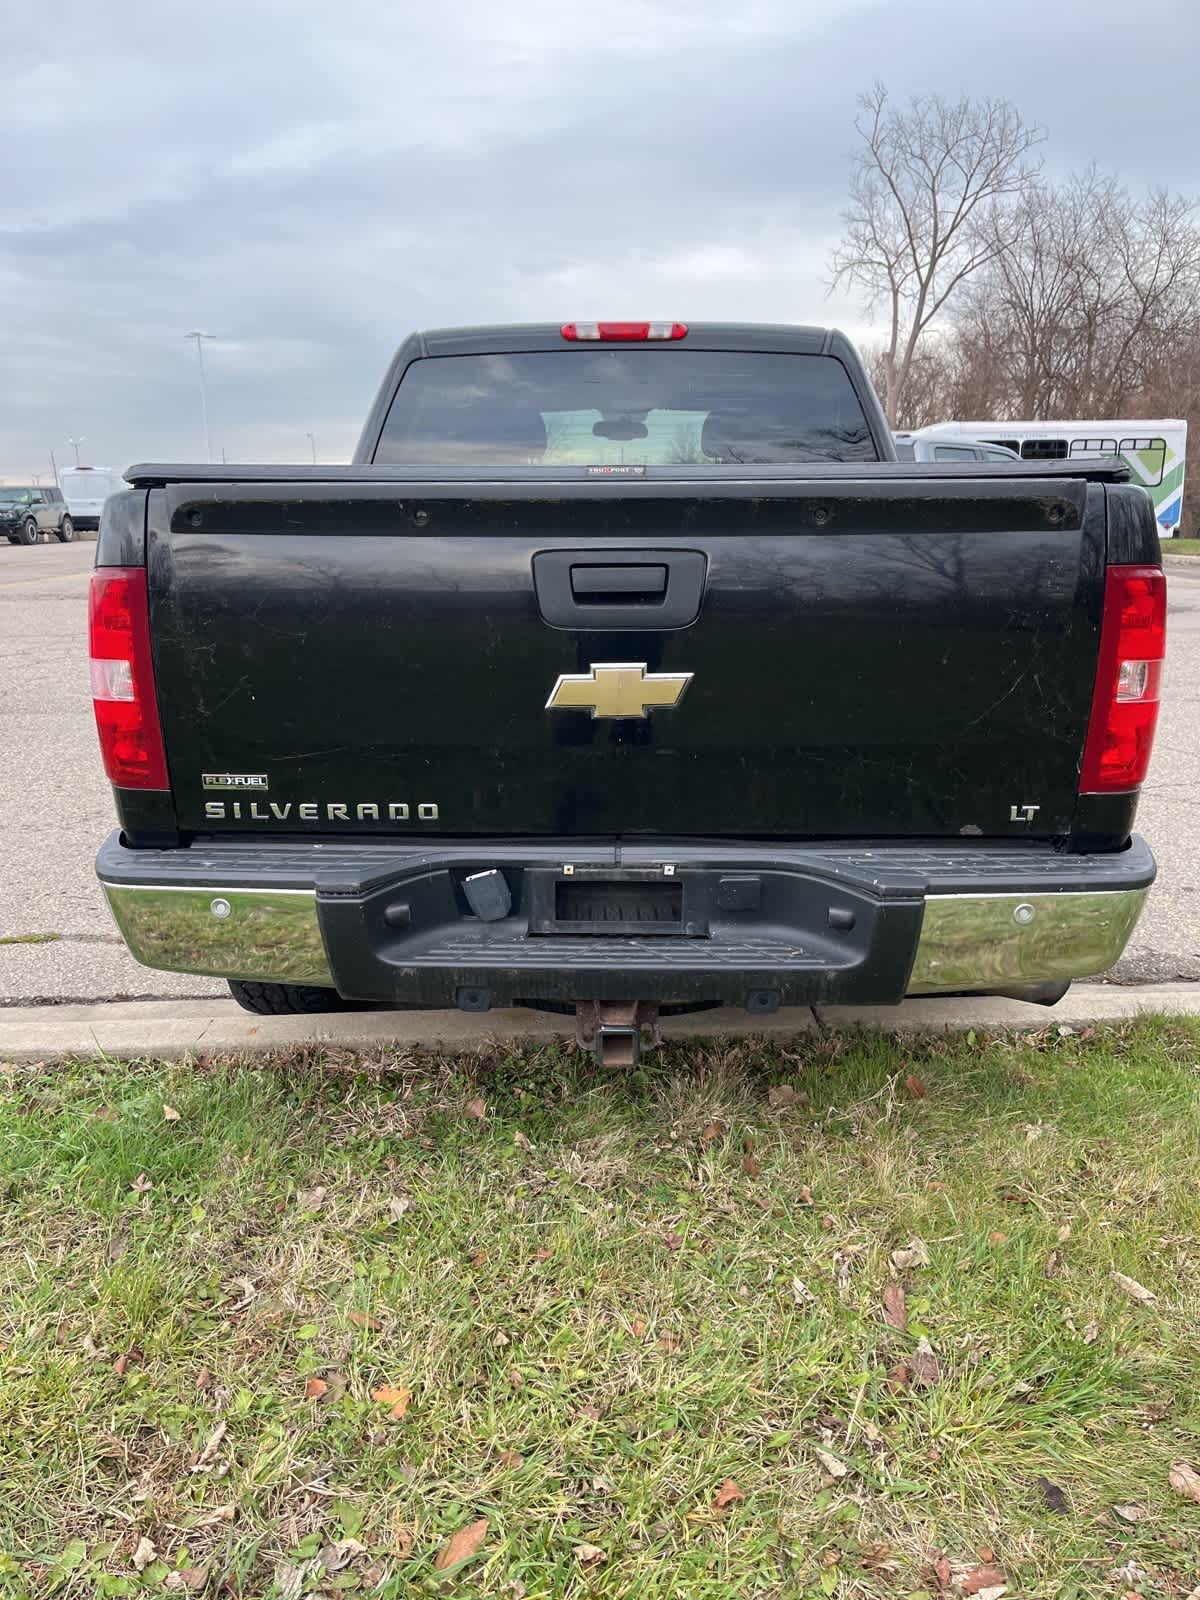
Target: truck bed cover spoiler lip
{"type": "Point", "coordinates": [145, 475]}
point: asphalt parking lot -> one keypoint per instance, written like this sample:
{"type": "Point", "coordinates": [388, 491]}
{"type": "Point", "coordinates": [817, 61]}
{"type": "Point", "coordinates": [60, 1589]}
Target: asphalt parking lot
{"type": "Point", "coordinates": [55, 805]}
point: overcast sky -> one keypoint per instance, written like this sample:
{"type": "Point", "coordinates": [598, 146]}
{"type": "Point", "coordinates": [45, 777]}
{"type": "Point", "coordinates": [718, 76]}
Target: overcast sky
{"type": "Point", "coordinates": [309, 181]}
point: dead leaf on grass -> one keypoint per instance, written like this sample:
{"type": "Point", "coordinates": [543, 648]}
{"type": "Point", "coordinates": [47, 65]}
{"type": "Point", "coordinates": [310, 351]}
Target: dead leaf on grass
{"type": "Point", "coordinates": [638, 1328]}
{"type": "Point", "coordinates": [1091, 1332]}
{"type": "Point", "coordinates": [1131, 1514]}
{"type": "Point", "coordinates": [751, 1167]}
{"type": "Point", "coordinates": [170, 1114]}
{"type": "Point", "coordinates": [834, 1467]}
{"type": "Point", "coordinates": [511, 1458]}
{"type": "Point", "coordinates": [1185, 1480]}
{"type": "Point", "coordinates": [396, 1399]}
{"type": "Point", "coordinates": [805, 1196]}
{"type": "Point", "coordinates": [477, 1109]}
{"type": "Point", "coordinates": [1054, 1496]}
{"type": "Point", "coordinates": [207, 1456]}
{"type": "Point", "coordinates": [204, 1379]}
{"type": "Point", "coordinates": [144, 1554]}
{"type": "Point", "coordinates": [941, 1572]}
{"type": "Point", "coordinates": [315, 1388]}
{"type": "Point", "coordinates": [712, 1133]}
{"type": "Point", "coordinates": [522, 1140]}
{"type": "Point", "coordinates": [672, 1240]}
{"type": "Point", "coordinates": [397, 1205]}
{"type": "Point", "coordinates": [915, 1086]}
{"type": "Point", "coordinates": [913, 1254]}
{"type": "Point", "coordinates": [214, 1518]}
{"type": "Point", "coordinates": [801, 1293]}
{"type": "Point", "coordinates": [897, 1379]}
{"type": "Point", "coordinates": [782, 1094]}
{"type": "Point", "coordinates": [462, 1545]}
{"type": "Point", "coordinates": [997, 1238]}
{"type": "Point", "coordinates": [360, 1319]}
{"type": "Point", "coordinates": [981, 1580]}
{"type": "Point", "coordinates": [895, 1309]}
{"type": "Point", "coordinates": [141, 1184]}
{"type": "Point", "coordinates": [187, 1579]}
{"type": "Point", "coordinates": [588, 1554]}
{"type": "Point", "coordinates": [1135, 1290]}
{"type": "Point", "coordinates": [925, 1367]}
{"type": "Point", "coordinates": [727, 1494]}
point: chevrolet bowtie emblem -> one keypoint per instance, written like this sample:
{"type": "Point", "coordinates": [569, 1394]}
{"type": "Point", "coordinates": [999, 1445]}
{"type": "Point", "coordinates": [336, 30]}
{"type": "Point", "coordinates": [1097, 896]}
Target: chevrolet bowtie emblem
{"type": "Point", "coordinates": [618, 689]}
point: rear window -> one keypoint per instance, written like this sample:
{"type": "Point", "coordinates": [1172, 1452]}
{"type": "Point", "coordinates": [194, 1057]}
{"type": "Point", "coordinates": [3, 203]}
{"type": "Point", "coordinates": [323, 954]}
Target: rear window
{"type": "Point", "coordinates": [640, 407]}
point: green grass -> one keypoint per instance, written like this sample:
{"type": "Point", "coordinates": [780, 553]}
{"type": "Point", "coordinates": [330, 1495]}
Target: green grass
{"type": "Point", "coordinates": [1181, 547]}
{"type": "Point", "coordinates": [607, 1295]}
{"type": "Point", "coordinates": [30, 938]}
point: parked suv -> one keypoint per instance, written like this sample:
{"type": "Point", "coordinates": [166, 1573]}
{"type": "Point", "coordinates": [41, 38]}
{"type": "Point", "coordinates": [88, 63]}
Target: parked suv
{"type": "Point", "coordinates": [25, 514]}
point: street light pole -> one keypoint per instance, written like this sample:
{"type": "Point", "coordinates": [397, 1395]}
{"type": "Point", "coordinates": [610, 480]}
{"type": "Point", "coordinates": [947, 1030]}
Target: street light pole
{"type": "Point", "coordinates": [312, 443]}
{"type": "Point", "coordinates": [200, 338]}
{"type": "Point", "coordinates": [75, 443]}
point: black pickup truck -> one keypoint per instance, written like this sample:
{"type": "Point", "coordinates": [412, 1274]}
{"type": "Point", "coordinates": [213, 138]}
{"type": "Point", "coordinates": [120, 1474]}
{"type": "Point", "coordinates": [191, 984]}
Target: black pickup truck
{"type": "Point", "coordinates": [626, 670]}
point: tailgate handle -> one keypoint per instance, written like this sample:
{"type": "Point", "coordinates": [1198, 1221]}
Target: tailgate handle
{"type": "Point", "coordinates": [631, 589]}
{"type": "Point", "coordinates": [637, 584]}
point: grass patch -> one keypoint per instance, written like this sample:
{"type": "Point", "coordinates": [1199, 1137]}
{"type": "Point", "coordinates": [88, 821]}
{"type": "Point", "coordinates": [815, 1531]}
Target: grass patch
{"type": "Point", "coordinates": [1181, 547]}
{"type": "Point", "coordinates": [605, 1295]}
{"type": "Point", "coordinates": [30, 938]}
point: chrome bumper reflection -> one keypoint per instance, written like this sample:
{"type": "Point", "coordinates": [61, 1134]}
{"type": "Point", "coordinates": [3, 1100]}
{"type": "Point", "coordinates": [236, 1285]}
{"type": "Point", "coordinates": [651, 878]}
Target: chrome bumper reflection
{"type": "Point", "coordinates": [268, 934]}
{"type": "Point", "coordinates": [993, 941]}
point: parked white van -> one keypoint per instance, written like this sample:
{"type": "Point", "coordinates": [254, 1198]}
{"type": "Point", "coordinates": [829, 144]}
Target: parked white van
{"type": "Point", "coordinates": [86, 489]}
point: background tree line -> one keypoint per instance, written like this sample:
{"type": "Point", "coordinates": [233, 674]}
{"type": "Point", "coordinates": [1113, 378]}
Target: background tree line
{"type": "Point", "coordinates": [1006, 295]}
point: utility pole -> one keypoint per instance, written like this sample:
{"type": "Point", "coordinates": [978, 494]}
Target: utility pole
{"type": "Point", "coordinates": [200, 338]}
{"type": "Point", "coordinates": [75, 443]}
{"type": "Point", "coordinates": [312, 444]}
{"type": "Point", "coordinates": [54, 467]}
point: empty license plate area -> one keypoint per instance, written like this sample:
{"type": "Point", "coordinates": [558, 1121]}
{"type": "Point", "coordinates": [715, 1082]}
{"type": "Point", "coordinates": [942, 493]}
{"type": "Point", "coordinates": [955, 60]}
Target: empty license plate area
{"type": "Point", "coordinates": [624, 904]}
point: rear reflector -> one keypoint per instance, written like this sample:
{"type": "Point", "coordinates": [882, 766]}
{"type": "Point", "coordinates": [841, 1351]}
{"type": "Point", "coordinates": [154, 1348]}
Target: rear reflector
{"type": "Point", "coordinates": [123, 679]}
{"type": "Point", "coordinates": [624, 332]}
{"type": "Point", "coordinates": [1125, 703]}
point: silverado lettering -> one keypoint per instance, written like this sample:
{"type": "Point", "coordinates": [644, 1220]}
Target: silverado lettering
{"type": "Point", "coordinates": [316, 811]}
{"type": "Point", "coordinates": [920, 696]}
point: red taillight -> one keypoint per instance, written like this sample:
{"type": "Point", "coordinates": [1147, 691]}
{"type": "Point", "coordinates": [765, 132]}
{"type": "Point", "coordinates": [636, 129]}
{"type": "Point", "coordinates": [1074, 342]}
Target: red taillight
{"type": "Point", "coordinates": [624, 332]}
{"type": "Point", "coordinates": [1133, 637]}
{"type": "Point", "coordinates": [123, 679]}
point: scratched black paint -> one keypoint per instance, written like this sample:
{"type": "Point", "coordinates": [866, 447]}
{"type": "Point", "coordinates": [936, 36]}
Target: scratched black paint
{"type": "Point", "coordinates": [911, 663]}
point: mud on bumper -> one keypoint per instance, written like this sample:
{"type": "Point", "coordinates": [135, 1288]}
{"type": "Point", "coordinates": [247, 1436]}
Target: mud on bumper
{"type": "Point", "coordinates": [480, 923]}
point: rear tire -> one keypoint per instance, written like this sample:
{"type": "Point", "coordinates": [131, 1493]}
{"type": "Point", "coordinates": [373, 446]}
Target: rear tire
{"type": "Point", "coordinates": [286, 999]}
{"type": "Point", "coordinates": [66, 531]}
{"type": "Point", "coordinates": [30, 532]}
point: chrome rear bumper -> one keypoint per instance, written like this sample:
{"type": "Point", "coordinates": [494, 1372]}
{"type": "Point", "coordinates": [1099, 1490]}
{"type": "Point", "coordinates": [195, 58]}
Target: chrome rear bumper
{"type": "Point", "coordinates": [981, 940]}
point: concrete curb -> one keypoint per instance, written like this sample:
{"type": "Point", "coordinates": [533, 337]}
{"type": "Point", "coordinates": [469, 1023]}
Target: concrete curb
{"type": "Point", "coordinates": [181, 1029]}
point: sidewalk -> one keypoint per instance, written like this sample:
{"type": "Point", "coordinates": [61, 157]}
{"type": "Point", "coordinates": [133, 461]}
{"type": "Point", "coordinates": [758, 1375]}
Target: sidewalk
{"type": "Point", "coordinates": [178, 1029]}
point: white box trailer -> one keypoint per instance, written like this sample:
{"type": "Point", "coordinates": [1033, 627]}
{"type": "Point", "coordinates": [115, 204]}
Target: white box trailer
{"type": "Point", "coordinates": [85, 490]}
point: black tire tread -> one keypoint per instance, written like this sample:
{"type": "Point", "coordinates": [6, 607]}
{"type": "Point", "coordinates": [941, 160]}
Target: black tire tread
{"type": "Point", "coordinates": [285, 999]}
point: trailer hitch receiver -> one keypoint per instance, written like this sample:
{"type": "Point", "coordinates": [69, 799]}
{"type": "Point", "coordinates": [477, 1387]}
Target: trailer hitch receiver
{"type": "Point", "coordinates": [613, 1029]}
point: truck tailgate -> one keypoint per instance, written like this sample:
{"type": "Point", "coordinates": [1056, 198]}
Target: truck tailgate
{"type": "Point", "coordinates": [867, 656]}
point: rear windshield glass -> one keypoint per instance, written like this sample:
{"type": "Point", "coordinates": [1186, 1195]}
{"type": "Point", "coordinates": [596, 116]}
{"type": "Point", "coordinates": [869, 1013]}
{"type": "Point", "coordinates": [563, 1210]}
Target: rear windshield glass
{"type": "Point", "coordinates": [642, 407]}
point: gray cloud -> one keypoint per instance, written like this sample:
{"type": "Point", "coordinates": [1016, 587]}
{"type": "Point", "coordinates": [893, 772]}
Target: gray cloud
{"type": "Point", "coordinates": [309, 182]}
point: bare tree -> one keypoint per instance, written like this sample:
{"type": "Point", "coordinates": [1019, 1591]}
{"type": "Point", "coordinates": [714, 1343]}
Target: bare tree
{"type": "Point", "coordinates": [1087, 302]}
{"type": "Point", "coordinates": [931, 201]}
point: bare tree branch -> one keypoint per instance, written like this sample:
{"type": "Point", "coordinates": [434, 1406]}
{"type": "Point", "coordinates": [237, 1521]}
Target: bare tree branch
{"type": "Point", "coordinates": [930, 191]}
